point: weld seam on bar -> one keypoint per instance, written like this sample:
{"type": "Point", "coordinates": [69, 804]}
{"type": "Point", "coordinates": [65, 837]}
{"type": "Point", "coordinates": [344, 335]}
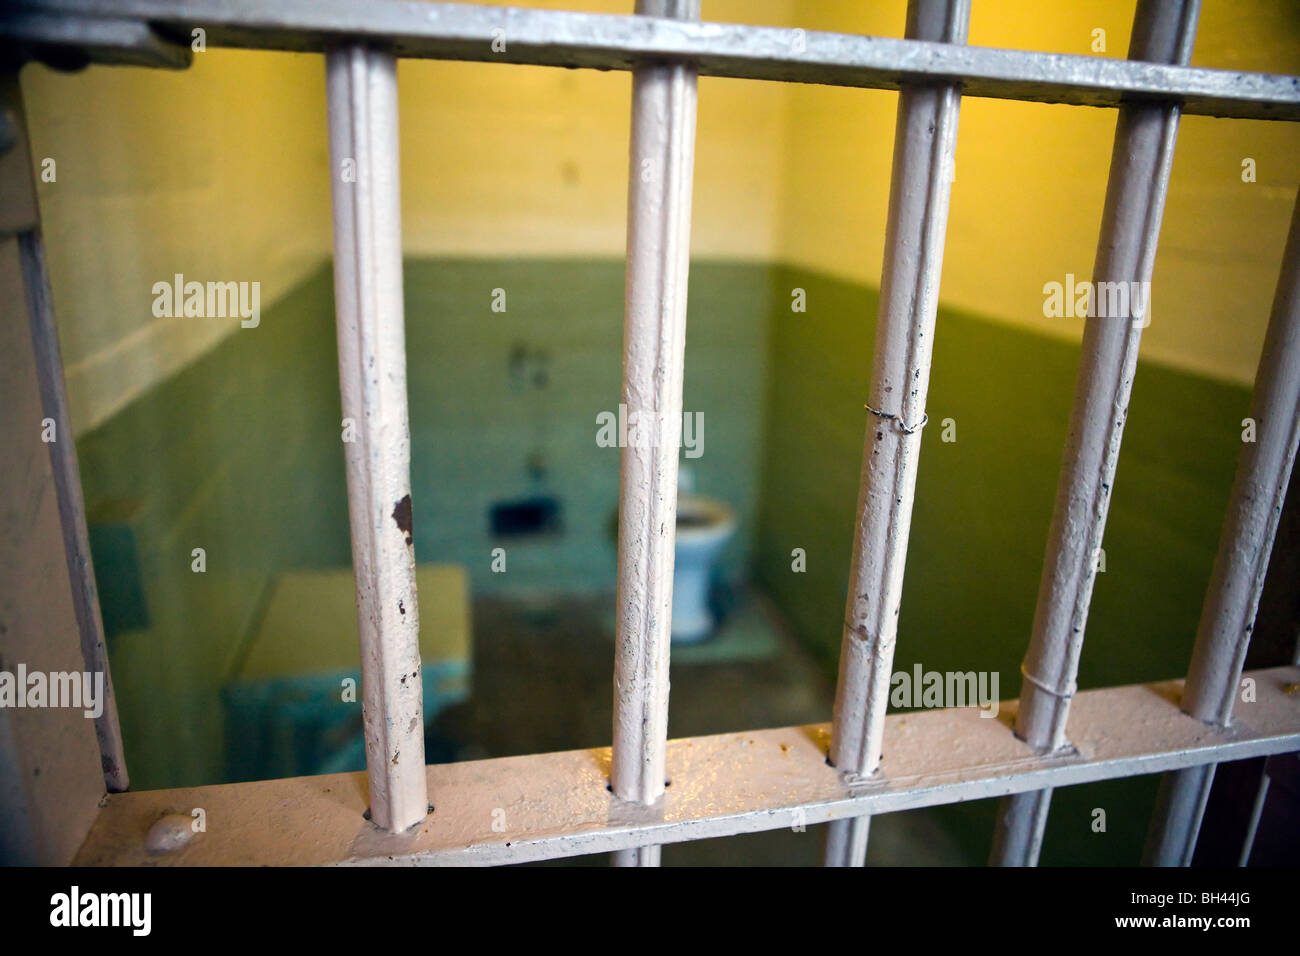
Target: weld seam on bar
{"type": "Point", "coordinates": [1047, 688]}
{"type": "Point", "coordinates": [924, 148]}
{"type": "Point", "coordinates": [1163, 31]}
{"type": "Point", "coordinates": [361, 87]}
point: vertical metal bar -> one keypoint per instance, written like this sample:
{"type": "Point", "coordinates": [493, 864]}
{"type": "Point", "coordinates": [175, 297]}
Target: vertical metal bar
{"type": "Point", "coordinates": [846, 841]}
{"type": "Point", "coordinates": [1176, 819]}
{"type": "Point", "coordinates": [361, 86]}
{"type": "Point", "coordinates": [1258, 493]}
{"type": "Point", "coordinates": [662, 160]}
{"type": "Point", "coordinates": [72, 507]}
{"type": "Point", "coordinates": [1256, 811]}
{"type": "Point", "coordinates": [54, 762]}
{"type": "Point", "coordinates": [925, 143]}
{"type": "Point", "coordinates": [1237, 581]}
{"type": "Point", "coordinates": [1163, 32]}
{"type": "Point", "coordinates": [638, 856]}
{"type": "Point", "coordinates": [20, 217]}
{"type": "Point", "coordinates": [1021, 822]}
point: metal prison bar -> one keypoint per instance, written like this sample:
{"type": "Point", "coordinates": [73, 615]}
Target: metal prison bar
{"type": "Point", "coordinates": [1163, 31]}
{"type": "Point", "coordinates": [925, 142]}
{"type": "Point", "coordinates": [661, 165]}
{"type": "Point", "coordinates": [732, 783]}
{"type": "Point", "coordinates": [361, 90]}
{"type": "Point", "coordinates": [1237, 581]}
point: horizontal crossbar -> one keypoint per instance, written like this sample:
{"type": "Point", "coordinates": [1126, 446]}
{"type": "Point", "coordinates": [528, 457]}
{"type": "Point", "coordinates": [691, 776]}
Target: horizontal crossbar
{"type": "Point", "coordinates": [618, 42]}
{"type": "Point", "coordinates": [516, 809]}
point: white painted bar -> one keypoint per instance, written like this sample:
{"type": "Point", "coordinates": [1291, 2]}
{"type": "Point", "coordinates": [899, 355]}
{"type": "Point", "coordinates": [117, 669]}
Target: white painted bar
{"type": "Point", "coordinates": [661, 167]}
{"type": "Point", "coordinates": [1176, 817]}
{"type": "Point", "coordinates": [924, 146]}
{"type": "Point", "coordinates": [1019, 827]}
{"type": "Point", "coordinates": [1237, 581]}
{"type": "Point", "coordinates": [1163, 31]}
{"type": "Point", "coordinates": [1258, 493]}
{"type": "Point", "coordinates": [20, 220]}
{"type": "Point", "coordinates": [361, 86]}
{"type": "Point", "coordinates": [52, 772]}
{"type": "Point", "coordinates": [1256, 811]}
{"type": "Point", "coordinates": [638, 856]}
{"type": "Point", "coordinates": [846, 841]}
{"type": "Point", "coordinates": [557, 805]}
{"type": "Point", "coordinates": [72, 506]}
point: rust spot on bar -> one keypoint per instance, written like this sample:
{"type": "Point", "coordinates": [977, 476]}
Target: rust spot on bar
{"type": "Point", "coordinates": [402, 515]}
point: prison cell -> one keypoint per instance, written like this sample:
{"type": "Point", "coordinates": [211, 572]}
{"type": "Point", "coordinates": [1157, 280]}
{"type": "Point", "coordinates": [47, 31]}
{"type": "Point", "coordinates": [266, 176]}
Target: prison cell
{"type": "Point", "coordinates": [617, 800]}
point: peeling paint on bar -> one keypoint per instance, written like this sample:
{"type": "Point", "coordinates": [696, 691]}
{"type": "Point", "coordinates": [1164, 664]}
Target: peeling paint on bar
{"type": "Point", "coordinates": [361, 87]}
{"type": "Point", "coordinates": [452, 31]}
{"type": "Point", "coordinates": [1163, 31]}
{"type": "Point", "coordinates": [554, 805]}
{"type": "Point", "coordinates": [1255, 505]}
{"type": "Point", "coordinates": [661, 166]}
{"type": "Point", "coordinates": [924, 147]}
{"type": "Point", "coordinates": [1237, 581]}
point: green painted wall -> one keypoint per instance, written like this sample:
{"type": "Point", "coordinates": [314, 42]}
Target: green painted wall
{"type": "Point", "coordinates": [983, 507]}
{"type": "Point", "coordinates": [477, 425]}
{"type": "Point", "coordinates": [237, 455]}
{"type": "Point", "coordinates": [240, 454]}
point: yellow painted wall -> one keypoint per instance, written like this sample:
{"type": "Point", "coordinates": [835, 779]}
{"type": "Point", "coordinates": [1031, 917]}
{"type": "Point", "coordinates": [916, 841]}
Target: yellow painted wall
{"type": "Point", "coordinates": [507, 160]}
{"type": "Point", "coordinates": [1031, 179]}
{"type": "Point", "coordinates": [533, 161]}
{"type": "Point", "coordinates": [217, 172]}
{"type": "Point", "coordinates": [220, 172]}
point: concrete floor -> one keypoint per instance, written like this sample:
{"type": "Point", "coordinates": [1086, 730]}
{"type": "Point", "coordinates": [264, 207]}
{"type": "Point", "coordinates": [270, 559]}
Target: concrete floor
{"type": "Point", "coordinates": [543, 674]}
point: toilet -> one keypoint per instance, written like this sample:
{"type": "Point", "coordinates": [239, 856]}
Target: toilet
{"type": "Point", "coordinates": [704, 526]}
